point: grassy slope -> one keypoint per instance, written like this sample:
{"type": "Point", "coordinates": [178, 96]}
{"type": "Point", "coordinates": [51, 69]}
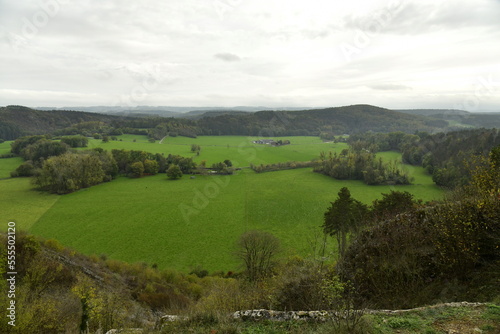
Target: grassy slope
{"type": "Point", "coordinates": [5, 147]}
{"type": "Point", "coordinates": [8, 165]}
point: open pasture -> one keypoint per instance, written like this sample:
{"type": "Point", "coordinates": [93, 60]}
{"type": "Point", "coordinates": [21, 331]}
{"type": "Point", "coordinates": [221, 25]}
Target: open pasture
{"type": "Point", "coordinates": [239, 149]}
{"type": "Point", "coordinates": [5, 147]}
{"type": "Point", "coordinates": [195, 222]}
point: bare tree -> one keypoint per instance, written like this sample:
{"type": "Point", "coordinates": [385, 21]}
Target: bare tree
{"type": "Point", "coordinates": [257, 250]}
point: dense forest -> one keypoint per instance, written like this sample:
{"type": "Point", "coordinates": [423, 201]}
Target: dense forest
{"type": "Point", "coordinates": [477, 119]}
{"type": "Point", "coordinates": [16, 121]}
{"type": "Point", "coordinates": [350, 119]}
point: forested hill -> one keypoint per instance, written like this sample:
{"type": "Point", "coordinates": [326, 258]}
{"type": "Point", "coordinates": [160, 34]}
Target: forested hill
{"type": "Point", "coordinates": [440, 113]}
{"type": "Point", "coordinates": [340, 120]}
{"type": "Point", "coordinates": [16, 121]}
{"type": "Point", "coordinates": [462, 118]}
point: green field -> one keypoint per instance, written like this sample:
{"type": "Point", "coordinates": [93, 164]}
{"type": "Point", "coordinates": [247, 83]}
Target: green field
{"type": "Point", "coordinates": [8, 165]}
{"type": "Point", "coordinates": [194, 222]}
{"type": "Point", "coordinates": [19, 203]}
{"type": "Point", "coordinates": [240, 150]}
{"type": "Point", "coordinates": [5, 147]}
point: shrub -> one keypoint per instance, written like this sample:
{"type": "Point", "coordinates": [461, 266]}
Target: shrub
{"type": "Point", "coordinates": [174, 172]}
{"type": "Point", "coordinates": [25, 169]}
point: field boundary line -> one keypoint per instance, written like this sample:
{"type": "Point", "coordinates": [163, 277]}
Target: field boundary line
{"type": "Point", "coordinates": [44, 213]}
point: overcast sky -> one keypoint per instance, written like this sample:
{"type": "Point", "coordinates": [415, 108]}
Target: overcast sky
{"type": "Point", "coordinates": [316, 53]}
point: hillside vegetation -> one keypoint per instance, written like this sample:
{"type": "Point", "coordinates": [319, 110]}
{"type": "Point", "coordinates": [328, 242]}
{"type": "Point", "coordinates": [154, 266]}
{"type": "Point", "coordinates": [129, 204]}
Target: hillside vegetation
{"type": "Point", "coordinates": [446, 156]}
{"type": "Point", "coordinates": [61, 291]}
{"type": "Point", "coordinates": [337, 121]}
{"type": "Point", "coordinates": [16, 121]}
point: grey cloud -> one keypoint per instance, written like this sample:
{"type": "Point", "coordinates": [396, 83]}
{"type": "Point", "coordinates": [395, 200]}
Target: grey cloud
{"type": "Point", "coordinates": [418, 18]}
{"type": "Point", "coordinates": [227, 57]}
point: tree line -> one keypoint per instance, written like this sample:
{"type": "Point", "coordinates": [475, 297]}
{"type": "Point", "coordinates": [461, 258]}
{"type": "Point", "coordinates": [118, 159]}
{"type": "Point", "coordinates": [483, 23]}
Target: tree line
{"type": "Point", "coordinates": [441, 154]}
{"type": "Point", "coordinates": [351, 164]}
{"type": "Point", "coordinates": [282, 166]}
{"type": "Point", "coordinates": [56, 167]}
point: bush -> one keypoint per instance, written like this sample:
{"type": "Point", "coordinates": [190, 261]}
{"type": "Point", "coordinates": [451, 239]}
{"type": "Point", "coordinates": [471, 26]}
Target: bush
{"type": "Point", "coordinates": [174, 172]}
{"type": "Point", "coordinates": [303, 285]}
{"type": "Point", "coordinates": [25, 169]}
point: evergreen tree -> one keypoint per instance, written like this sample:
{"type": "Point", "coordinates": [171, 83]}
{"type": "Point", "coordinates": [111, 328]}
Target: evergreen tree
{"type": "Point", "coordinates": [344, 216]}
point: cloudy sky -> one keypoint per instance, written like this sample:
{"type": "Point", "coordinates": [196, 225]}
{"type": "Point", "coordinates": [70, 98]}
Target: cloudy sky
{"type": "Point", "coordinates": [276, 53]}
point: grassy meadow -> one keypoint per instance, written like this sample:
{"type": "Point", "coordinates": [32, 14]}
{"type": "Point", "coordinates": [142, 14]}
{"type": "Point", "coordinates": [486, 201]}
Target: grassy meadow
{"type": "Point", "coordinates": [239, 149]}
{"type": "Point", "coordinates": [190, 223]}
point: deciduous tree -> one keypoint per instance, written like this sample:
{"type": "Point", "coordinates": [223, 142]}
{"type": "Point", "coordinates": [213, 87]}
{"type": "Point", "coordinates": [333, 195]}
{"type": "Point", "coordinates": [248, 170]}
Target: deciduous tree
{"type": "Point", "coordinates": [174, 172]}
{"type": "Point", "coordinates": [257, 250]}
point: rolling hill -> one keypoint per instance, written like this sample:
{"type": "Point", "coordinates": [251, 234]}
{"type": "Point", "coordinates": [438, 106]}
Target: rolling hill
{"type": "Point", "coordinates": [339, 120]}
{"type": "Point", "coordinates": [16, 121]}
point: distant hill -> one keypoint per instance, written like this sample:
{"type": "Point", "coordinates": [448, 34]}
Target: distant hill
{"type": "Point", "coordinates": [164, 111]}
{"type": "Point", "coordinates": [483, 120]}
{"type": "Point", "coordinates": [198, 114]}
{"type": "Point", "coordinates": [460, 118]}
{"type": "Point", "coordinates": [16, 121]}
{"type": "Point", "coordinates": [340, 120]}
{"type": "Point", "coordinates": [434, 112]}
